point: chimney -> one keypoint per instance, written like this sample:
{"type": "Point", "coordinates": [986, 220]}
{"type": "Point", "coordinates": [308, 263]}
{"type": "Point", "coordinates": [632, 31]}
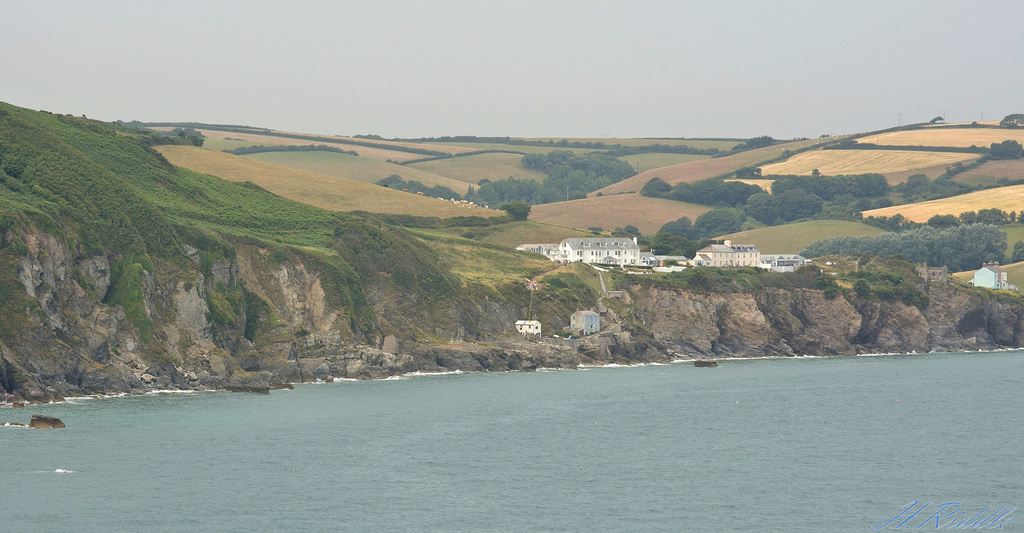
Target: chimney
{"type": "Point", "coordinates": [728, 242]}
{"type": "Point", "coordinates": [634, 240]}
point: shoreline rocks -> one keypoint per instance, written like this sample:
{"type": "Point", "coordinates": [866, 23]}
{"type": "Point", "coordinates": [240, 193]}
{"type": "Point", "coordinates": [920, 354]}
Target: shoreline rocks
{"type": "Point", "coordinates": [45, 422]}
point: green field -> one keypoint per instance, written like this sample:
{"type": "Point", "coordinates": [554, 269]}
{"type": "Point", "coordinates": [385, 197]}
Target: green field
{"type": "Point", "coordinates": [643, 162]}
{"type": "Point", "coordinates": [791, 238]}
{"type": "Point", "coordinates": [355, 168]}
{"type": "Point", "coordinates": [473, 168]}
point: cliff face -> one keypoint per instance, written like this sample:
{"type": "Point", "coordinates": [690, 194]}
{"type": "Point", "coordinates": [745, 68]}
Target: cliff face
{"type": "Point", "coordinates": [804, 322]}
{"type": "Point", "coordinates": [254, 322]}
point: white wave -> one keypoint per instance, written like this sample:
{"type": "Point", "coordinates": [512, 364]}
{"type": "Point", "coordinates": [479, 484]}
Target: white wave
{"type": "Point", "coordinates": [442, 373]}
{"type": "Point", "coordinates": [62, 471]}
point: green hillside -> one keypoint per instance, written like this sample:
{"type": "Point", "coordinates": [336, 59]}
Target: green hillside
{"type": "Point", "coordinates": [791, 238]}
{"type": "Point", "coordinates": [102, 190]}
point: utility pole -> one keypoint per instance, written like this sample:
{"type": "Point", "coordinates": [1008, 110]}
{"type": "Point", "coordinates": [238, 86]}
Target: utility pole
{"type": "Point", "coordinates": [566, 194]}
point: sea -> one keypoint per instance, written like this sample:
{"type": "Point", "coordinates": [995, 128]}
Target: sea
{"type": "Point", "coordinates": [797, 444]}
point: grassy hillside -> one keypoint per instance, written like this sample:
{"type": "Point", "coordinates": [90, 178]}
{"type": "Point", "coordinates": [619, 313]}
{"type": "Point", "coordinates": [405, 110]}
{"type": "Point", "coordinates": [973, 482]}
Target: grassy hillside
{"type": "Point", "coordinates": [616, 211]}
{"type": "Point", "coordinates": [703, 169]}
{"type": "Point", "coordinates": [1006, 198]}
{"type": "Point", "coordinates": [836, 162]}
{"type": "Point", "coordinates": [320, 190]}
{"type": "Point", "coordinates": [469, 170]}
{"type": "Point", "coordinates": [355, 168]}
{"type": "Point", "coordinates": [512, 234]}
{"type": "Point", "coordinates": [791, 238]}
{"type": "Point", "coordinates": [644, 162]}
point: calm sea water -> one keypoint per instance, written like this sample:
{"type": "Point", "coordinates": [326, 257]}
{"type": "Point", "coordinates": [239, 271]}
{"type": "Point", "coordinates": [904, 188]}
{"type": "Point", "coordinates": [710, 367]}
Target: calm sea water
{"type": "Point", "coordinates": [761, 445]}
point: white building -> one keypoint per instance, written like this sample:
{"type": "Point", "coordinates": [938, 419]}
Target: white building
{"type": "Point", "coordinates": [783, 262]}
{"type": "Point", "coordinates": [528, 327]}
{"type": "Point", "coordinates": [728, 255]}
{"type": "Point", "coordinates": [600, 250]}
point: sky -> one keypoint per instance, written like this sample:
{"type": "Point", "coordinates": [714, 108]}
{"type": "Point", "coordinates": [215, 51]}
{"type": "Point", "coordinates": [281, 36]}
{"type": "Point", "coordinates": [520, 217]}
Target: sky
{"type": "Point", "coordinates": [787, 69]}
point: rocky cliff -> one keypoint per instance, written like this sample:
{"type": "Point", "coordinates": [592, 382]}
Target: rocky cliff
{"type": "Point", "coordinates": [73, 341]}
{"type": "Point", "coordinates": [778, 322]}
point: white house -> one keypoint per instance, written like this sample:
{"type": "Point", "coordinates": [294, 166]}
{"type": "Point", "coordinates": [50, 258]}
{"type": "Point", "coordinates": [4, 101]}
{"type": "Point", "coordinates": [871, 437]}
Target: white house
{"type": "Point", "coordinates": [992, 277]}
{"type": "Point", "coordinates": [528, 327]}
{"type": "Point", "coordinates": [782, 262]}
{"type": "Point", "coordinates": [602, 250]}
{"type": "Point", "coordinates": [728, 255]}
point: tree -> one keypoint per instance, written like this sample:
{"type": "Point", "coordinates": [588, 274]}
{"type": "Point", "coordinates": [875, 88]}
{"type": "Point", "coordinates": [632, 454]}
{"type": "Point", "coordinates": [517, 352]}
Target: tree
{"type": "Point", "coordinates": [656, 187]}
{"type": "Point", "coordinates": [1015, 120]}
{"type": "Point", "coordinates": [681, 227]}
{"type": "Point", "coordinates": [1018, 252]}
{"type": "Point", "coordinates": [744, 173]}
{"type": "Point", "coordinates": [517, 210]}
{"type": "Point", "coordinates": [1007, 149]}
{"type": "Point", "coordinates": [717, 222]}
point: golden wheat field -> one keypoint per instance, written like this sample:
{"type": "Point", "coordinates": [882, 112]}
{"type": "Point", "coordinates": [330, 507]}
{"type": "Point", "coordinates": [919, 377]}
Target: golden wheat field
{"type": "Point", "coordinates": [834, 162]}
{"type": "Point", "coordinates": [946, 136]}
{"type": "Point", "coordinates": [703, 169]}
{"type": "Point", "coordinates": [616, 211]}
{"type": "Point", "coordinates": [1006, 198]}
{"type": "Point", "coordinates": [319, 190]}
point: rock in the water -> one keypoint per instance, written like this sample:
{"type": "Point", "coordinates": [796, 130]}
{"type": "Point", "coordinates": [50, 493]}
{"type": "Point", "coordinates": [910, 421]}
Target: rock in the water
{"type": "Point", "coordinates": [45, 422]}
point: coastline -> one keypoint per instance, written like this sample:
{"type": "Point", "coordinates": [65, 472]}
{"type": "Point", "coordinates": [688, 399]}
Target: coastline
{"type": "Point", "coordinates": [418, 373]}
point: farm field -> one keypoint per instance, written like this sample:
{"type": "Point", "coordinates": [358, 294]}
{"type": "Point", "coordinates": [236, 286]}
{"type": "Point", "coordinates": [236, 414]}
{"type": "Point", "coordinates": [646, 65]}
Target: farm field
{"type": "Point", "coordinates": [894, 178]}
{"type": "Point", "coordinates": [354, 168]}
{"type": "Point", "coordinates": [320, 190]}
{"type": "Point", "coordinates": [1009, 198]}
{"type": "Point", "coordinates": [1014, 233]}
{"type": "Point", "coordinates": [705, 168]}
{"type": "Point", "coordinates": [381, 154]}
{"type": "Point", "coordinates": [791, 238]}
{"type": "Point", "coordinates": [946, 136]}
{"type": "Point", "coordinates": [650, 161]}
{"type": "Point", "coordinates": [835, 162]}
{"type": "Point", "coordinates": [470, 169]}
{"type": "Point", "coordinates": [473, 147]}
{"type": "Point", "coordinates": [721, 144]}
{"type": "Point", "coordinates": [616, 211]}
{"type": "Point", "coordinates": [991, 171]}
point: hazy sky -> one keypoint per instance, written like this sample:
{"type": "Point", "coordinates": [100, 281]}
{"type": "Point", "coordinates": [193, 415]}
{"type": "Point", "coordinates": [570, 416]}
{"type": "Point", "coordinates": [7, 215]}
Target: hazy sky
{"type": "Point", "coordinates": [519, 68]}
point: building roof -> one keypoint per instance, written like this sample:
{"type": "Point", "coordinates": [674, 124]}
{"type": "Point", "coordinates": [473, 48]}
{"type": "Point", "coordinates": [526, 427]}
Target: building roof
{"type": "Point", "coordinates": [621, 243]}
{"type": "Point", "coordinates": [586, 313]}
{"type": "Point", "coordinates": [729, 248]}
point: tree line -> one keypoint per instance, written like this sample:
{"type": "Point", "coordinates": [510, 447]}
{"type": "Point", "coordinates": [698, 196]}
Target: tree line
{"type": "Point", "coordinates": [244, 150]}
{"type": "Point", "coordinates": [959, 248]}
